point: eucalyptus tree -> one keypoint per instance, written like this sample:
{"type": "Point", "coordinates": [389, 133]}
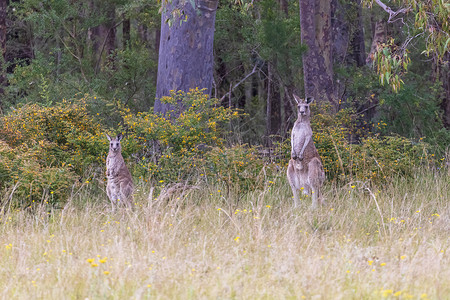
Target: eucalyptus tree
{"type": "Point", "coordinates": [186, 48]}
{"type": "Point", "coordinates": [427, 21]}
{"type": "Point", "coordinates": [316, 34]}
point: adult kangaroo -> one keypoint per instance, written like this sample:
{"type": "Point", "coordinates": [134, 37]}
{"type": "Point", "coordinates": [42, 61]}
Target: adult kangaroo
{"type": "Point", "coordinates": [119, 187]}
{"type": "Point", "coordinates": [305, 171]}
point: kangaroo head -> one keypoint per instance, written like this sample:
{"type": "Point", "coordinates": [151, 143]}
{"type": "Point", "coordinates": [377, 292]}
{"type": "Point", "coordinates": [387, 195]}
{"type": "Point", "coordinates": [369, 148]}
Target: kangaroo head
{"type": "Point", "coordinates": [303, 106]}
{"type": "Point", "coordinates": [114, 143]}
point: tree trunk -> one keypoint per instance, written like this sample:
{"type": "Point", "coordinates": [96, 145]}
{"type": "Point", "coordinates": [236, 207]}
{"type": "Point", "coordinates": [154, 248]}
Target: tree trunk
{"type": "Point", "coordinates": [273, 112]}
{"type": "Point", "coordinates": [126, 28]}
{"type": "Point", "coordinates": [3, 7]}
{"type": "Point", "coordinates": [341, 31]}
{"type": "Point", "coordinates": [103, 38]}
{"type": "Point", "coordinates": [359, 49]}
{"type": "Point", "coordinates": [315, 23]}
{"type": "Point", "coordinates": [444, 74]}
{"type": "Point", "coordinates": [284, 6]}
{"type": "Point", "coordinates": [288, 86]}
{"type": "Point", "coordinates": [269, 104]}
{"type": "Point", "coordinates": [186, 49]}
{"type": "Point", "coordinates": [290, 112]}
{"type": "Point", "coordinates": [379, 36]}
{"type": "Point", "coordinates": [110, 43]}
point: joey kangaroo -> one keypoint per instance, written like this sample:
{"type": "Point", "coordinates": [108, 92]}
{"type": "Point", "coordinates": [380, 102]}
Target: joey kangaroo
{"type": "Point", "coordinates": [305, 171]}
{"type": "Point", "coordinates": [119, 187]}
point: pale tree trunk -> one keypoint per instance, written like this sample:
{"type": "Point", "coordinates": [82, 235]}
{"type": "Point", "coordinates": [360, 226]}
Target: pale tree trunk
{"type": "Point", "coordinates": [379, 36]}
{"type": "Point", "coordinates": [186, 49]}
{"type": "Point", "coordinates": [316, 30]}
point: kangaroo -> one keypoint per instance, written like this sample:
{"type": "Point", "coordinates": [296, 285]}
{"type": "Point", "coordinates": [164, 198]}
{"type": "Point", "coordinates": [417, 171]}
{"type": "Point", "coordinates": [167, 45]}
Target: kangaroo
{"type": "Point", "coordinates": [119, 187]}
{"type": "Point", "coordinates": [305, 171]}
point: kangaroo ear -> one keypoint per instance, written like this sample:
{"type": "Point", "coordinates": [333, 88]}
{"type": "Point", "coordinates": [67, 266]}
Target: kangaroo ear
{"type": "Point", "coordinates": [109, 138]}
{"type": "Point", "coordinates": [119, 136]}
{"type": "Point", "coordinates": [297, 98]}
{"type": "Point", "coordinates": [309, 100]}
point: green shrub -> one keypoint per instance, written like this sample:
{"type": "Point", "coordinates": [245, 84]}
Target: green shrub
{"type": "Point", "coordinates": [372, 157]}
{"type": "Point", "coordinates": [43, 149]}
{"type": "Point", "coordinates": [190, 144]}
{"type": "Point", "coordinates": [240, 167]}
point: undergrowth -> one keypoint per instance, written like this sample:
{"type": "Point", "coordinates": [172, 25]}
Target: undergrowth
{"type": "Point", "coordinates": [387, 241]}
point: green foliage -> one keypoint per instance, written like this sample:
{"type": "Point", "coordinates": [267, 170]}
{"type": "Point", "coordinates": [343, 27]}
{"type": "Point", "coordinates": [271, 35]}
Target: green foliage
{"type": "Point", "coordinates": [31, 179]}
{"type": "Point", "coordinates": [413, 111]}
{"type": "Point", "coordinates": [192, 145]}
{"type": "Point", "coordinates": [239, 167]}
{"type": "Point", "coordinates": [391, 65]}
{"type": "Point", "coordinates": [45, 148]}
{"type": "Point", "coordinates": [179, 140]}
{"type": "Point", "coordinates": [68, 61]}
{"type": "Point", "coordinates": [279, 36]}
{"type": "Point", "coordinates": [426, 19]}
{"type": "Point", "coordinates": [375, 158]}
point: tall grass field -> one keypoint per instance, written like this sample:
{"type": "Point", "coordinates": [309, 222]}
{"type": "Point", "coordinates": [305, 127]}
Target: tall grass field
{"type": "Point", "coordinates": [388, 241]}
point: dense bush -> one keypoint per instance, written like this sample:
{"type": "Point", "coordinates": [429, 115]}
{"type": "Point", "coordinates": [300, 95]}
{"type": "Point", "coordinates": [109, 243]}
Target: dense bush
{"type": "Point", "coordinates": [43, 149]}
{"type": "Point", "coordinates": [190, 145]}
{"type": "Point", "coordinates": [47, 151]}
{"type": "Point", "coordinates": [347, 154]}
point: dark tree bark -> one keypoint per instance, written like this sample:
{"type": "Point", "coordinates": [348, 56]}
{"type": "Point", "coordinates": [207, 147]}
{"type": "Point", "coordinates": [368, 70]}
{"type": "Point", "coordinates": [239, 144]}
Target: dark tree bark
{"type": "Point", "coordinates": [359, 49]}
{"type": "Point", "coordinates": [284, 6]}
{"type": "Point", "coordinates": [288, 85]}
{"type": "Point", "coordinates": [273, 124]}
{"type": "Point", "coordinates": [276, 108]}
{"type": "Point", "coordinates": [341, 30]}
{"type": "Point", "coordinates": [444, 74]}
{"type": "Point", "coordinates": [103, 37]}
{"type": "Point", "coordinates": [3, 7]}
{"type": "Point", "coordinates": [126, 28]}
{"type": "Point", "coordinates": [316, 30]}
{"type": "Point", "coordinates": [186, 49]}
{"type": "Point", "coordinates": [269, 104]}
{"type": "Point", "coordinates": [110, 43]}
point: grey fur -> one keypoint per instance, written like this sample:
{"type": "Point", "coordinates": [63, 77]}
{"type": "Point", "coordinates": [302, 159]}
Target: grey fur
{"type": "Point", "coordinates": [305, 171]}
{"type": "Point", "coordinates": [119, 187]}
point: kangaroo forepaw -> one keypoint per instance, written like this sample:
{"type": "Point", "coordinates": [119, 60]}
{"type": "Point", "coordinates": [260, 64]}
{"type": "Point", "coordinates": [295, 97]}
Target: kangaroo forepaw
{"type": "Point", "coordinates": [293, 156]}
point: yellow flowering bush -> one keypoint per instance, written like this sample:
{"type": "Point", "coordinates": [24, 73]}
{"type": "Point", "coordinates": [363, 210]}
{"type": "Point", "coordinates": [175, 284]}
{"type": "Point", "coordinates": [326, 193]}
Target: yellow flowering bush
{"type": "Point", "coordinates": [372, 157]}
{"type": "Point", "coordinates": [189, 144]}
{"type": "Point", "coordinates": [43, 149]}
{"type": "Point", "coordinates": [239, 167]}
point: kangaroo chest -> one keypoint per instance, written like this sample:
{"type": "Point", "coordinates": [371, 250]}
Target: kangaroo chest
{"type": "Point", "coordinates": [300, 132]}
{"type": "Point", "coordinates": [113, 165]}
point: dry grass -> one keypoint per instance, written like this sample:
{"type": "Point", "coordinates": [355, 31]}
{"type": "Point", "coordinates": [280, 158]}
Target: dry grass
{"type": "Point", "coordinates": [367, 243]}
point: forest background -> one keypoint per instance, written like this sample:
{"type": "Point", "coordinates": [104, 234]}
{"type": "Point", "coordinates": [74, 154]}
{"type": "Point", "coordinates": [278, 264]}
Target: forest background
{"type": "Point", "coordinates": [72, 71]}
{"type": "Point", "coordinates": [213, 216]}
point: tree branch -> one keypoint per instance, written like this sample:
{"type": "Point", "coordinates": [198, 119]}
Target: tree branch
{"type": "Point", "coordinates": [392, 14]}
{"type": "Point", "coordinates": [97, 65]}
{"type": "Point", "coordinates": [239, 83]}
